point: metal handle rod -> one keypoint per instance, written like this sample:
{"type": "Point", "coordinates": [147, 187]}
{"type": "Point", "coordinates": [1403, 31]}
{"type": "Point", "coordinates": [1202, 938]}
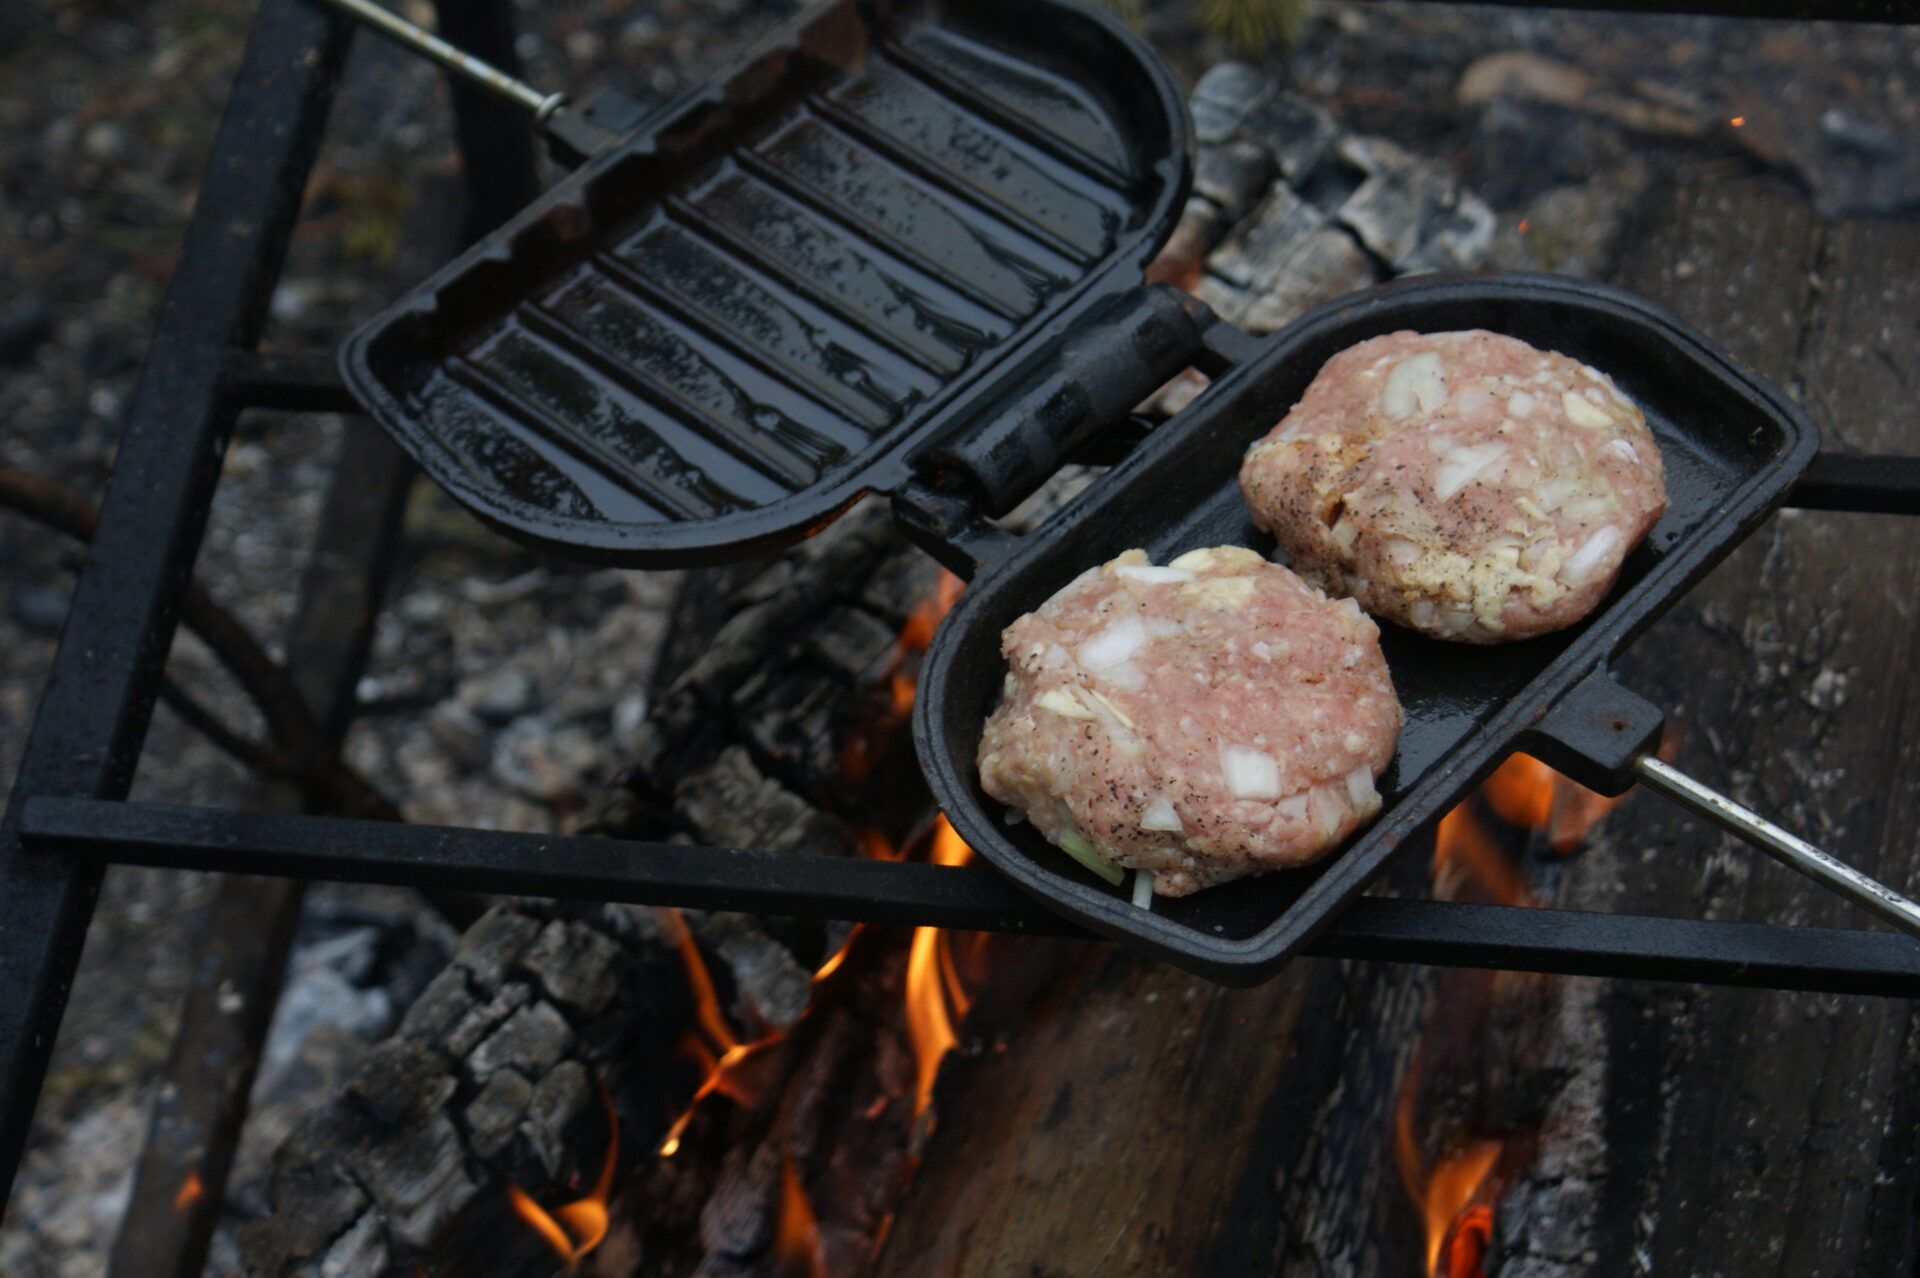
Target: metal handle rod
{"type": "Point", "coordinates": [476, 72]}
{"type": "Point", "coordinates": [1794, 852]}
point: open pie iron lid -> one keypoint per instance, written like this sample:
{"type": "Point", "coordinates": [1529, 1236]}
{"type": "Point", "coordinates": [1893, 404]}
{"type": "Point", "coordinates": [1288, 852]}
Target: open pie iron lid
{"type": "Point", "coordinates": [716, 334]}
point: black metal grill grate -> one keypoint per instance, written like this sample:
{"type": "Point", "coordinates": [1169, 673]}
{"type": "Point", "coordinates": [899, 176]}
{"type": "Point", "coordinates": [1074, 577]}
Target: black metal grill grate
{"type": "Point", "coordinates": [67, 818]}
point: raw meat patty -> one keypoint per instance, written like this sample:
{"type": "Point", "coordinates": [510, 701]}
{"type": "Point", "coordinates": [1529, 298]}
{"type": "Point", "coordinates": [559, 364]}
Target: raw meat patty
{"type": "Point", "coordinates": [1205, 720]}
{"type": "Point", "coordinates": [1464, 484]}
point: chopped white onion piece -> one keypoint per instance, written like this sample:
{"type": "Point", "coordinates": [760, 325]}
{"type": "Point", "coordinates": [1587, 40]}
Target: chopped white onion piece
{"type": "Point", "coordinates": [1063, 703]}
{"type": "Point", "coordinates": [1125, 676]}
{"type": "Point", "coordinates": [1293, 807]}
{"type": "Point", "coordinates": [1473, 401]}
{"type": "Point", "coordinates": [1152, 574]}
{"type": "Point", "coordinates": [1622, 449]}
{"type": "Point", "coordinates": [1113, 645]}
{"type": "Point", "coordinates": [1553, 493]}
{"type": "Point", "coordinates": [1520, 403]}
{"type": "Point", "coordinates": [1143, 889]}
{"type": "Point", "coordinates": [1461, 466]}
{"type": "Point", "coordinates": [1103, 705]}
{"type": "Point", "coordinates": [1582, 411]}
{"type": "Point", "coordinates": [1586, 563]}
{"type": "Point", "coordinates": [1250, 773]}
{"type": "Point", "coordinates": [1161, 816]}
{"type": "Point", "coordinates": [1420, 613]}
{"type": "Point", "coordinates": [1360, 788]}
{"type": "Point", "coordinates": [1402, 552]}
{"type": "Point", "coordinates": [1054, 657]}
{"type": "Point", "coordinates": [1344, 533]}
{"type": "Point", "coordinates": [1328, 811]}
{"type": "Point", "coordinates": [1417, 382]}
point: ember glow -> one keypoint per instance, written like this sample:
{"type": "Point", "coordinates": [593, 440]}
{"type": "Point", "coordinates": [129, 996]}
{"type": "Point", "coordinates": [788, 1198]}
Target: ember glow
{"type": "Point", "coordinates": [936, 999]}
{"type": "Point", "coordinates": [1453, 1168]}
{"type": "Point", "coordinates": [1527, 793]}
{"type": "Point", "coordinates": [720, 1064]}
{"type": "Point", "coordinates": [191, 1191]}
{"type": "Point", "coordinates": [576, 1228]}
{"type": "Point", "coordinates": [1454, 1197]}
{"type": "Point", "coordinates": [796, 1239]}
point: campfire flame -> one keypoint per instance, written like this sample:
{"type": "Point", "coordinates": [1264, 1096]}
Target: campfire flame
{"type": "Point", "coordinates": [936, 996]}
{"type": "Point", "coordinates": [936, 999]}
{"type": "Point", "coordinates": [796, 1238]}
{"type": "Point", "coordinates": [1527, 793]}
{"type": "Point", "coordinates": [576, 1228]}
{"type": "Point", "coordinates": [720, 1066]}
{"type": "Point", "coordinates": [1457, 1188]}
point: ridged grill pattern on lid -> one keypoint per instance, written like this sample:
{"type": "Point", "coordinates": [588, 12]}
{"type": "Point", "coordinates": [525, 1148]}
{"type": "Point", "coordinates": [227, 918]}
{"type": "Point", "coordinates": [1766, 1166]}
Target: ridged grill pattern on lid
{"type": "Point", "coordinates": [768, 324]}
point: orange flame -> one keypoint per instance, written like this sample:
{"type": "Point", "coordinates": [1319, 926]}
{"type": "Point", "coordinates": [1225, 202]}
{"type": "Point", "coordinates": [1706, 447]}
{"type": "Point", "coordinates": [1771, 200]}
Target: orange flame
{"type": "Point", "coordinates": [1453, 1189]}
{"type": "Point", "coordinates": [191, 1190]}
{"type": "Point", "coordinates": [722, 1073]}
{"type": "Point", "coordinates": [1467, 862]}
{"type": "Point", "coordinates": [576, 1228]}
{"type": "Point", "coordinates": [1526, 792]}
{"type": "Point", "coordinates": [935, 997]}
{"type": "Point", "coordinates": [796, 1239]}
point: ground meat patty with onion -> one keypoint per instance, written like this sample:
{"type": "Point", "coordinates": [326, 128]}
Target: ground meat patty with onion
{"type": "Point", "coordinates": [1464, 484]}
{"type": "Point", "coordinates": [1205, 720]}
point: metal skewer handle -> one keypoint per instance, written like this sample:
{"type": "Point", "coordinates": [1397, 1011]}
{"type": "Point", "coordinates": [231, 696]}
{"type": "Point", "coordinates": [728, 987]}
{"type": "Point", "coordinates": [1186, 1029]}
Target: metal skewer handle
{"type": "Point", "coordinates": [1795, 852]}
{"type": "Point", "coordinates": [480, 74]}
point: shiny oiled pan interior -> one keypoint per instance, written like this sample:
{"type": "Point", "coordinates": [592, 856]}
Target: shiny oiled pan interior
{"type": "Point", "coordinates": [1731, 445]}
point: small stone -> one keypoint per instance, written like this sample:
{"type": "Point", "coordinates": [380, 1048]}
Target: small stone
{"type": "Point", "coordinates": [461, 734]}
{"type": "Point", "coordinates": [498, 696]}
{"type": "Point", "coordinates": [39, 610]}
{"type": "Point", "coordinates": [496, 1111]}
{"type": "Point", "coordinates": [532, 1041]}
{"type": "Point", "coordinates": [107, 142]}
{"type": "Point", "coordinates": [548, 765]}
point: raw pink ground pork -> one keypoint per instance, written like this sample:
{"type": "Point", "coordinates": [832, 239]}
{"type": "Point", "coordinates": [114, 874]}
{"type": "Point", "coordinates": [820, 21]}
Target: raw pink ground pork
{"type": "Point", "coordinates": [1205, 720]}
{"type": "Point", "coordinates": [1464, 484]}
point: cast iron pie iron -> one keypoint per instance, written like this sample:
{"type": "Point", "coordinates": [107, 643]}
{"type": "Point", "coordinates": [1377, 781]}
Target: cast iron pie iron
{"type": "Point", "coordinates": [899, 249]}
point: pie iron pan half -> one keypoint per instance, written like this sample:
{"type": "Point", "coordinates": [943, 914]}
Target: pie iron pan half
{"type": "Point", "coordinates": [1731, 444]}
{"type": "Point", "coordinates": [719, 331]}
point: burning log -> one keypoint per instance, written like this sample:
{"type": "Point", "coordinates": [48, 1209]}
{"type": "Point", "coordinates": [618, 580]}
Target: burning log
{"type": "Point", "coordinates": [583, 1087]}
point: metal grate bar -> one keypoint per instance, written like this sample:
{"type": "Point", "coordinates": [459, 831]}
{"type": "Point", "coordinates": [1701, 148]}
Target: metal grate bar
{"type": "Point", "coordinates": [93, 718]}
{"type": "Point", "coordinates": [1862, 482]}
{"type": "Point", "coordinates": [973, 897]}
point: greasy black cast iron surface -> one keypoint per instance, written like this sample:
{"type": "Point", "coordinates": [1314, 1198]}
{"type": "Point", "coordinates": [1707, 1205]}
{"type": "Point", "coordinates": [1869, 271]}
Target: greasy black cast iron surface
{"type": "Point", "coordinates": [1732, 446]}
{"type": "Point", "coordinates": [714, 336]}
